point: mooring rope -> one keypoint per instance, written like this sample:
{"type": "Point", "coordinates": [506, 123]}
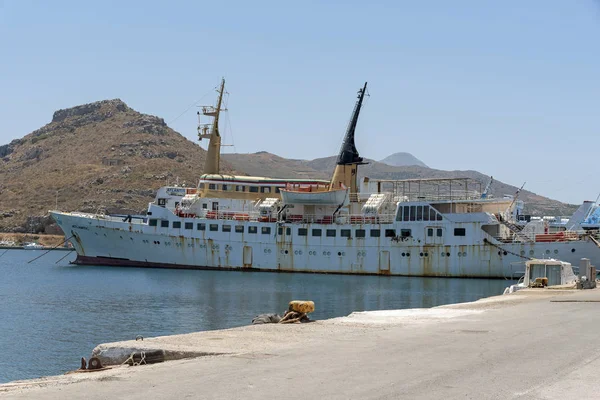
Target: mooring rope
{"type": "Point", "coordinates": [133, 363]}
{"type": "Point", "coordinates": [506, 251]}
{"type": "Point", "coordinates": [49, 250]}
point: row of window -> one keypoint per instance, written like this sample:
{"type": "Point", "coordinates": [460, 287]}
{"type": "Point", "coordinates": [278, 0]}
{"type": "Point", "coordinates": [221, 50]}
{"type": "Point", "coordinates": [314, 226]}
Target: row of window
{"type": "Point", "coordinates": [241, 188]}
{"type": "Point", "coordinates": [418, 213]}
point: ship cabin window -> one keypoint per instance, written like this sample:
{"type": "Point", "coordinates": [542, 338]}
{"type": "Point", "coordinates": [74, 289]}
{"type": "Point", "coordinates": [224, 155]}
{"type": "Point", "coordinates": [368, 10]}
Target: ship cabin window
{"type": "Point", "coordinates": [240, 188]}
{"type": "Point", "coordinates": [164, 224]}
{"type": "Point", "coordinates": [201, 186]}
{"type": "Point", "coordinates": [425, 213]}
{"type": "Point", "coordinates": [413, 213]}
{"type": "Point", "coordinates": [360, 233]}
{"type": "Point", "coordinates": [330, 232]}
{"type": "Point", "coordinates": [189, 225]}
{"type": "Point", "coordinates": [176, 224]}
{"type": "Point", "coordinates": [460, 232]}
{"type": "Point", "coordinates": [226, 228]}
{"type": "Point", "coordinates": [419, 213]}
{"type": "Point", "coordinates": [432, 214]}
{"type": "Point", "coordinates": [212, 186]}
{"type": "Point", "coordinates": [430, 232]}
{"type": "Point", "coordinates": [375, 233]}
{"type": "Point", "coordinates": [288, 231]}
{"type": "Point", "coordinates": [204, 205]}
{"type": "Point", "coordinates": [213, 227]}
{"type": "Point", "coordinates": [239, 228]}
{"type": "Point", "coordinates": [252, 229]}
{"type": "Point", "coordinates": [345, 233]}
{"type": "Point", "coordinates": [277, 189]}
{"type": "Point", "coordinates": [224, 188]}
{"type": "Point", "coordinates": [302, 231]}
{"type": "Point", "coordinates": [152, 222]}
{"type": "Point", "coordinates": [253, 189]}
{"type": "Point", "coordinates": [265, 189]}
{"type": "Point", "coordinates": [406, 213]}
{"type": "Point", "coordinates": [405, 233]}
{"type": "Point", "coordinates": [162, 202]}
{"type": "Point", "coordinates": [438, 216]}
{"type": "Point", "coordinates": [201, 227]}
{"type": "Point", "coordinates": [390, 233]}
{"type": "Point", "coordinates": [265, 230]}
{"type": "Point", "coordinates": [439, 232]}
{"type": "Point", "coordinates": [316, 232]}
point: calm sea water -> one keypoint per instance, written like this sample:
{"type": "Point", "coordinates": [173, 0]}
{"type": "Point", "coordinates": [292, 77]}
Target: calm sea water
{"type": "Point", "coordinates": [52, 314]}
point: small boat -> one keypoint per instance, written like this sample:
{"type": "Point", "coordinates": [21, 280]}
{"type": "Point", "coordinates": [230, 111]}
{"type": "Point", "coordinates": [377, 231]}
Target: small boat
{"type": "Point", "coordinates": [32, 246]}
{"type": "Point", "coordinates": [544, 273]}
{"type": "Point", "coordinates": [313, 195]}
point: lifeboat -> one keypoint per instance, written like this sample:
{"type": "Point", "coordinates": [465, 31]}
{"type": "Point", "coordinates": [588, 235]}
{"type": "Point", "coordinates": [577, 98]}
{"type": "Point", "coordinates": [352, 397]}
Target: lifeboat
{"type": "Point", "coordinates": [308, 197]}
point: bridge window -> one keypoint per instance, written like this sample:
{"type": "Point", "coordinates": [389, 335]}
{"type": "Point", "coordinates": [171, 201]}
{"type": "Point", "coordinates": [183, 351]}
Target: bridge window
{"type": "Point", "coordinates": [460, 232]}
{"type": "Point", "coordinates": [419, 213]}
{"type": "Point", "coordinates": [432, 214]}
{"type": "Point", "coordinates": [164, 224]}
{"type": "Point", "coordinates": [302, 231]}
{"type": "Point", "coordinates": [413, 213]}
{"type": "Point", "coordinates": [224, 187]}
{"type": "Point", "coordinates": [252, 229]}
{"type": "Point", "coordinates": [430, 232]}
{"type": "Point", "coordinates": [359, 233]}
{"type": "Point", "coordinates": [212, 186]}
{"type": "Point", "coordinates": [239, 228]}
{"type": "Point", "coordinates": [189, 225]}
{"type": "Point", "coordinates": [265, 189]}
{"type": "Point", "coordinates": [345, 233]}
{"type": "Point", "coordinates": [438, 216]}
{"type": "Point", "coordinates": [375, 233]}
{"type": "Point", "coordinates": [425, 213]}
{"type": "Point", "coordinates": [176, 224]}
{"type": "Point", "coordinates": [406, 213]}
{"type": "Point", "coordinates": [316, 232]}
{"type": "Point", "coordinates": [253, 189]}
{"type": "Point", "coordinates": [240, 188]}
{"type": "Point", "coordinates": [213, 227]}
{"type": "Point", "coordinates": [330, 232]}
{"type": "Point", "coordinates": [405, 233]}
{"type": "Point", "coordinates": [389, 233]}
{"type": "Point", "coordinates": [201, 227]}
{"type": "Point", "coordinates": [152, 222]}
{"type": "Point", "coordinates": [265, 230]}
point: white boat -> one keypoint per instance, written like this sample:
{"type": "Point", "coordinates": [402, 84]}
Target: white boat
{"type": "Point", "coordinates": [415, 227]}
{"type": "Point", "coordinates": [545, 273]}
{"type": "Point", "coordinates": [311, 195]}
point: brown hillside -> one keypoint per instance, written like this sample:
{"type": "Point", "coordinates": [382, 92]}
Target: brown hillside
{"type": "Point", "coordinates": [102, 155]}
{"type": "Point", "coordinates": [264, 163]}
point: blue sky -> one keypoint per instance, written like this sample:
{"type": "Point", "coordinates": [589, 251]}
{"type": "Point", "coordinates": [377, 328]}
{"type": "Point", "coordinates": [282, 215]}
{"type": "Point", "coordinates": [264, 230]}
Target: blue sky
{"type": "Point", "coordinates": [509, 88]}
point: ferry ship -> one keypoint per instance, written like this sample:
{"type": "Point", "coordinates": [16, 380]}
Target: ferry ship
{"type": "Point", "coordinates": [419, 227]}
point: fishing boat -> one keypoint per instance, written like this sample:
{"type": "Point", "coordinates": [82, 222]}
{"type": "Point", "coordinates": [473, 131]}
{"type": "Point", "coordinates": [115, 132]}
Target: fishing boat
{"type": "Point", "coordinates": [414, 227]}
{"type": "Point", "coordinates": [32, 246]}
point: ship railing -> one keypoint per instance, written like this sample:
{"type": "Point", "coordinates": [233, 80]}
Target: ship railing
{"type": "Point", "coordinates": [550, 237]}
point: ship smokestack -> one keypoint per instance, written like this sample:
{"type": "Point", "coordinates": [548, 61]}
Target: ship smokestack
{"type": "Point", "coordinates": [345, 173]}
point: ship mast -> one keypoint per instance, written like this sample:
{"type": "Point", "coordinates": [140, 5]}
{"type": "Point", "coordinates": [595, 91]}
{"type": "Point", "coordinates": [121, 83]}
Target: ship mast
{"type": "Point", "coordinates": [213, 155]}
{"type": "Point", "coordinates": [345, 172]}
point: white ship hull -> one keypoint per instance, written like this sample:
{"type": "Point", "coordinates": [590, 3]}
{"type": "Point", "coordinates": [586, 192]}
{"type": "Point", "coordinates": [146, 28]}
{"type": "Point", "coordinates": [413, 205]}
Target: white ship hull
{"type": "Point", "coordinates": [111, 241]}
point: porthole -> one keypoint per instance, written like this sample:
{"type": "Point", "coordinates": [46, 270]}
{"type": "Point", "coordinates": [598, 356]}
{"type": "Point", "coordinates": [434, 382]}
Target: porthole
{"type": "Point", "coordinates": [339, 253]}
{"type": "Point", "coordinates": [459, 254]}
{"type": "Point", "coordinates": [426, 254]}
{"type": "Point", "coordinates": [548, 251]}
{"type": "Point", "coordinates": [286, 252]}
{"type": "Point", "coordinates": [328, 253]}
{"type": "Point", "coordinates": [464, 253]}
{"type": "Point", "coordinates": [447, 254]}
{"type": "Point", "coordinates": [343, 253]}
{"type": "Point", "coordinates": [556, 251]}
{"type": "Point", "coordinates": [421, 254]}
{"type": "Point", "coordinates": [572, 250]}
{"type": "Point", "coordinates": [499, 253]}
{"type": "Point", "coordinates": [324, 253]}
{"type": "Point", "coordinates": [443, 254]}
{"type": "Point", "coordinates": [407, 254]}
{"type": "Point", "coordinates": [522, 252]}
{"type": "Point", "coordinates": [505, 253]}
{"type": "Point", "coordinates": [403, 254]}
{"type": "Point", "coordinates": [531, 252]}
{"type": "Point", "coordinates": [269, 251]}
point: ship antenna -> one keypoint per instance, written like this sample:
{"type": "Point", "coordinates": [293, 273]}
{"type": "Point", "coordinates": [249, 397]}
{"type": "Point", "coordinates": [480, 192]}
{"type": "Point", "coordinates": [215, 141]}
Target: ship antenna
{"type": "Point", "coordinates": [213, 155]}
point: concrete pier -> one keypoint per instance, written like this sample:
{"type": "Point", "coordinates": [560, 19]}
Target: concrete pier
{"type": "Point", "coordinates": [532, 344]}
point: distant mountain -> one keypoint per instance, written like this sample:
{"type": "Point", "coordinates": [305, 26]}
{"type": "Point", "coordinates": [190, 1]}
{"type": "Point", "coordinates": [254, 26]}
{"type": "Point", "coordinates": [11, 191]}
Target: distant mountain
{"type": "Point", "coordinates": [97, 156]}
{"type": "Point", "coordinates": [403, 160]}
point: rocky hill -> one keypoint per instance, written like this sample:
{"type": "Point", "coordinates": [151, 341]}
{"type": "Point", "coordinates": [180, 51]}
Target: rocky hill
{"type": "Point", "coordinates": [102, 155]}
{"type": "Point", "coordinates": [403, 160]}
{"type": "Point", "coordinates": [264, 163]}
